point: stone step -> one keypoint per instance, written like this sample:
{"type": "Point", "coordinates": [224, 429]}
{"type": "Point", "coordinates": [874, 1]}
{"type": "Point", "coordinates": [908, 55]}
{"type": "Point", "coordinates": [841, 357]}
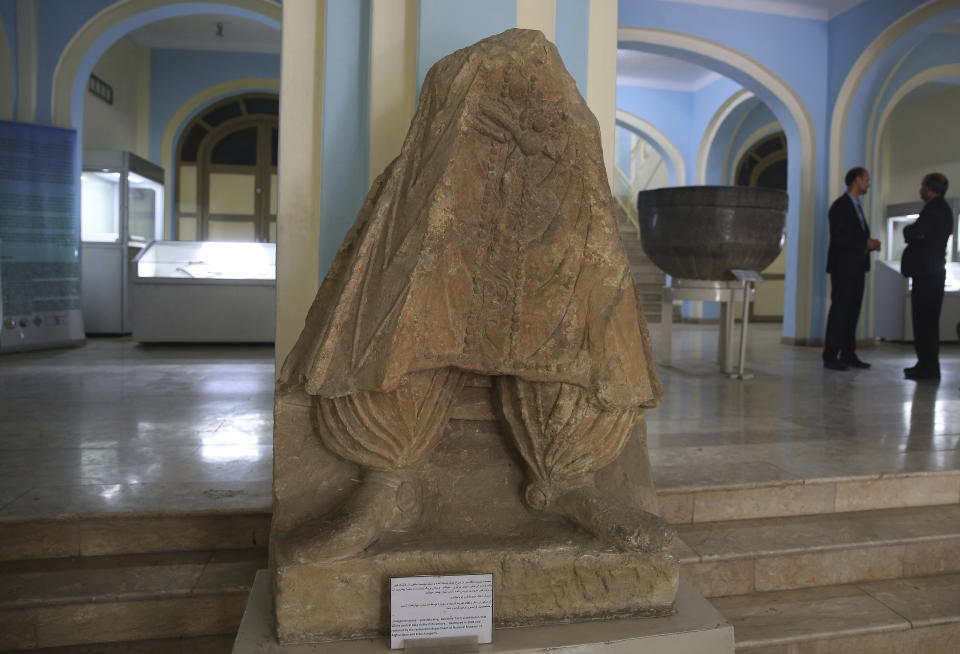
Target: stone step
{"type": "Point", "coordinates": [768, 554]}
{"type": "Point", "coordinates": [46, 537]}
{"type": "Point", "coordinates": [222, 644]}
{"type": "Point", "coordinates": [919, 615]}
{"type": "Point", "coordinates": [111, 599]}
{"type": "Point", "coordinates": [790, 497]}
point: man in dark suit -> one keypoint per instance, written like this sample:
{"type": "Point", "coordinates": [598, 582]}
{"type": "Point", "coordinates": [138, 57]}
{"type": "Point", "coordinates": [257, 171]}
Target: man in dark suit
{"type": "Point", "coordinates": [924, 260]}
{"type": "Point", "coordinates": [848, 260]}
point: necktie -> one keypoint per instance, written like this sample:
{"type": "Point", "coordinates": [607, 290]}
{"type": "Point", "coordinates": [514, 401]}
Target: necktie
{"type": "Point", "coordinates": [863, 223]}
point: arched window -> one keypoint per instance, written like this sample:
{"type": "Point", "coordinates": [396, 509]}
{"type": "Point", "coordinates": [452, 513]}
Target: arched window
{"type": "Point", "coordinates": [226, 176]}
{"type": "Point", "coordinates": [765, 164]}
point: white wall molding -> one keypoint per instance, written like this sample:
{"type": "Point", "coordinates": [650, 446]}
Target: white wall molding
{"type": "Point", "coordinates": [647, 130]}
{"type": "Point", "coordinates": [70, 60]}
{"type": "Point", "coordinates": [856, 75]}
{"type": "Point", "coordinates": [713, 126]}
{"type": "Point", "coordinates": [803, 266]}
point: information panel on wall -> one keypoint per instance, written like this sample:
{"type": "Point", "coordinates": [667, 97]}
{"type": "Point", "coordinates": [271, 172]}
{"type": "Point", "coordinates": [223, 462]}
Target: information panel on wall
{"type": "Point", "coordinates": [39, 237]}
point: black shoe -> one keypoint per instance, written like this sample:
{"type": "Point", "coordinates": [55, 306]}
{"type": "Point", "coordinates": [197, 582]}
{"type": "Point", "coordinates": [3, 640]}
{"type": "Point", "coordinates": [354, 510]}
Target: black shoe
{"type": "Point", "coordinates": [834, 364]}
{"type": "Point", "coordinates": [911, 370]}
{"type": "Point", "coordinates": [853, 362]}
{"type": "Point", "coordinates": [920, 375]}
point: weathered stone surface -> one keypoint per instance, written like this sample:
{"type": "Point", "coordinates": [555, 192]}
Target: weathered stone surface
{"type": "Point", "coordinates": [704, 232]}
{"type": "Point", "coordinates": [350, 599]}
{"type": "Point", "coordinates": [473, 520]}
{"type": "Point", "coordinates": [484, 278]}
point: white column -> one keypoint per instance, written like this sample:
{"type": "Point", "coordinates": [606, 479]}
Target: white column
{"type": "Point", "coordinates": [602, 73]}
{"type": "Point", "coordinates": [393, 78]}
{"type": "Point", "coordinates": [538, 15]}
{"type": "Point", "coordinates": [26, 61]}
{"type": "Point", "coordinates": [301, 137]}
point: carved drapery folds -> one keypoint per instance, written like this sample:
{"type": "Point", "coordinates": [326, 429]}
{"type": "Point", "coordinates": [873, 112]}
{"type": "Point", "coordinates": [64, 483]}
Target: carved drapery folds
{"type": "Point", "coordinates": [386, 431]}
{"type": "Point", "coordinates": [561, 433]}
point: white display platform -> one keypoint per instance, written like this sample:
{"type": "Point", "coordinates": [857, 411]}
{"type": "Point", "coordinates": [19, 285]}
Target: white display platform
{"type": "Point", "coordinates": [726, 293]}
{"type": "Point", "coordinates": [696, 628]}
{"type": "Point", "coordinates": [892, 313]}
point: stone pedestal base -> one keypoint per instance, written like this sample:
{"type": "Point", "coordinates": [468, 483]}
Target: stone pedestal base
{"type": "Point", "coordinates": [569, 576]}
{"type": "Point", "coordinates": [695, 628]}
{"type": "Point", "coordinates": [545, 568]}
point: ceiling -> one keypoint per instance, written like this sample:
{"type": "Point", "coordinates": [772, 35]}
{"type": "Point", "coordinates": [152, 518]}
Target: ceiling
{"type": "Point", "coordinates": [815, 9]}
{"type": "Point", "coordinates": [636, 68]}
{"type": "Point", "coordinates": [199, 32]}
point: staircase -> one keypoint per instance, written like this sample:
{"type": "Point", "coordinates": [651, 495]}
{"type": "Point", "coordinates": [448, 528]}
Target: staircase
{"type": "Point", "coordinates": [847, 564]}
{"type": "Point", "coordinates": [144, 583]}
{"type": "Point", "coordinates": [649, 278]}
{"type": "Point", "coordinates": [862, 564]}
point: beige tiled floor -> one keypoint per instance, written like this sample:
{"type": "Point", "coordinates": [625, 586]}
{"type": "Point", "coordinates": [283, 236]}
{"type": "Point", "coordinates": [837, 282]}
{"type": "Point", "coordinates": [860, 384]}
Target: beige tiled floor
{"type": "Point", "coordinates": [116, 426]}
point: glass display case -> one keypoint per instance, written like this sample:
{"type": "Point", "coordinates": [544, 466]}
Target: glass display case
{"type": "Point", "coordinates": [121, 210]}
{"type": "Point", "coordinates": [205, 291]}
{"type": "Point", "coordinates": [208, 260]}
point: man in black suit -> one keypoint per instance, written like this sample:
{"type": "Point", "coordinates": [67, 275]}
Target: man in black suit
{"type": "Point", "coordinates": [924, 260]}
{"type": "Point", "coordinates": [848, 260]}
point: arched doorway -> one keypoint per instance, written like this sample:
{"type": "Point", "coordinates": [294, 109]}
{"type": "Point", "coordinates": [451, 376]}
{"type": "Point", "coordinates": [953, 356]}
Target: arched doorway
{"type": "Point", "coordinates": [226, 172]}
{"type": "Point", "coordinates": [764, 164]}
{"type": "Point", "coordinates": [800, 313]}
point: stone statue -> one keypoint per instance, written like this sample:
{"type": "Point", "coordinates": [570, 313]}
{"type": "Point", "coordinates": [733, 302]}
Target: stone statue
{"type": "Point", "coordinates": [488, 249]}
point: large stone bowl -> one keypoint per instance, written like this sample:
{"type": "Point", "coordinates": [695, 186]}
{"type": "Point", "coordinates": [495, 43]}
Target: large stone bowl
{"type": "Point", "coordinates": [704, 232]}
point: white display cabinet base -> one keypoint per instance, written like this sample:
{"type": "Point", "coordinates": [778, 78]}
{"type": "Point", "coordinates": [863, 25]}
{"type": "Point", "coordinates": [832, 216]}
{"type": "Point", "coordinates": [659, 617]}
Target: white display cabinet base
{"type": "Point", "coordinates": [203, 311]}
{"type": "Point", "coordinates": [696, 628]}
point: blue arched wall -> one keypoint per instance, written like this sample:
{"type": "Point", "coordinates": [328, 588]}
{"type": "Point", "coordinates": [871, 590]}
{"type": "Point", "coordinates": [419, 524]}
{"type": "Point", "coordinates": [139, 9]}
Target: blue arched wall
{"type": "Point", "coordinates": [855, 136]}
{"type": "Point", "coordinates": [670, 111]}
{"type": "Point", "coordinates": [725, 134]}
{"type": "Point", "coordinates": [758, 116]}
{"type": "Point", "coordinates": [682, 116]}
{"type": "Point", "coordinates": [178, 75]}
{"type": "Point", "coordinates": [774, 41]}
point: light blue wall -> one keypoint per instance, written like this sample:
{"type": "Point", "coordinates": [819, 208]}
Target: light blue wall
{"type": "Point", "coordinates": [669, 111]}
{"type": "Point", "coordinates": [682, 116]}
{"type": "Point", "coordinates": [58, 21]}
{"type": "Point", "coordinates": [795, 50]}
{"type": "Point", "coordinates": [346, 123]}
{"type": "Point", "coordinates": [448, 25]}
{"type": "Point", "coordinates": [851, 33]}
{"type": "Point", "coordinates": [725, 134]}
{"type": "Point", "coordinates": [706, 102]}
{"type": "Point", "coordinates": [178, 75]}
{"type": "Point", "coordinates": [759, 116]}
{"type": "Point", "coordinates": [573, 33]}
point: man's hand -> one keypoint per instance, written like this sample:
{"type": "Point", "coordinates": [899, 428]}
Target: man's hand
{"type": "Point", "coordinates": [873, 244]}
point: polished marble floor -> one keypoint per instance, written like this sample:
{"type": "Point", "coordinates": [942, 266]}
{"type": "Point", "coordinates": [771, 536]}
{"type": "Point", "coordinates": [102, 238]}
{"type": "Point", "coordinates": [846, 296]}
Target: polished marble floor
{"type": "Point", "coordinates": [117, 426]}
